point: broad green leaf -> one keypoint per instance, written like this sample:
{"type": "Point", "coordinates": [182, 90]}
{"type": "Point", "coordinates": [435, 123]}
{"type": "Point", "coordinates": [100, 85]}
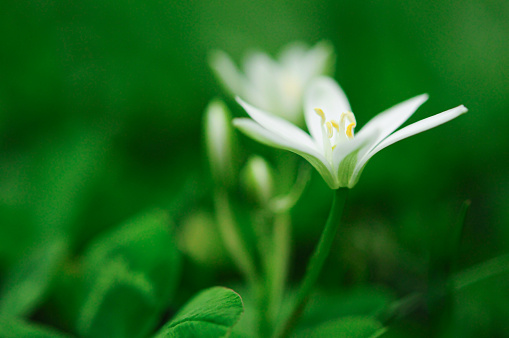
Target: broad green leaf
{"type": "Point", "coordinates": [29, 280]}
{"type": "Point", "coordinates": [121, 304]}
{"type": "Point", "coordinates": [130, 275]}
{"type": "Point", "coordinates": [16, 328]}
{"type": "Point", "coordinates": [347, 327]}
{"type": "Point", "coordinates": [358, 301]}
{"type": "Point", "coordinates": [147, 245]}
{"type": "Point", "coordinates": [211, 313]}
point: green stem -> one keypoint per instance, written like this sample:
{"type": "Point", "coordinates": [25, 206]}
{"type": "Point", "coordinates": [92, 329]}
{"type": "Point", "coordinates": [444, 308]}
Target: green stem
{"type": "Point", "coordinates": [280, 256]}
{"type": "Point", "coordinates": [232, 239]}
{"type": "Point", "coordinates": [317, 261]}
{"type": "Point", "coordinates": [260, 222]}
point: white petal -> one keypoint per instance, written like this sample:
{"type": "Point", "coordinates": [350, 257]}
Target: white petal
{"type": "Point", "coordinates": [225, 69]}
{"type": "Point", "coordinates": [347, 154]}
{"type": "Point", "coordinates": [306, 62]}
{"type": "Point", "coordinates": [323, 93]}
{"type": "Point", "coordinates": [259, 69]}
{"type": "Point", "coordinates": [390, 120]}
{"type": "Point", "coordinates": [280, 127]}
{"type": "Point", "coordinates": [345, 148]}
{"type": "Point", "coordinates": [415, 128]}
{"type": "Point", "coordinates": [293, 53]}
{"type": "Point", "coordinates": [260, 134]}
{"type": "Point", "coordinates": [319, 60]}
{"type": "Point", "coordinates": [258, 82]}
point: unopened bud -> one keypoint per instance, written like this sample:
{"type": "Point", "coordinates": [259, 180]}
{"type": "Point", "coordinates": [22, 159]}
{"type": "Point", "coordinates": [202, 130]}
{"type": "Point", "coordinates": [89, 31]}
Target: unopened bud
{"type": "Point", "coordinates": [257, 179]}
{"type": "Point", "coordinates": [219, 140]}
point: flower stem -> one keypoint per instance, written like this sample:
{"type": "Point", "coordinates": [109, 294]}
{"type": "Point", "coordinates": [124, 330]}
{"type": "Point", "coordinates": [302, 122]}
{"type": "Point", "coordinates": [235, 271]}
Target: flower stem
{"type": "Point", "coordinates": [317, 261]}
{"type": "Point", "coordinates": [280, 255]}
{"type": "Point", "coordinates": [233, 240]}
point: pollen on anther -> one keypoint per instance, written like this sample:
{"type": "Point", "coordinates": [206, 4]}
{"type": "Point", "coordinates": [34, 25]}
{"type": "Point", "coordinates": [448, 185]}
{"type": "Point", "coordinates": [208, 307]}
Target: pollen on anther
{"type": "Point", "coordinates": [349, 130]}
{"type": "Point", "coordinates": [320, 113]}
{"type": "Point", "coordinates": [335, 124]}
{"type": "Point", "coordinates": [329, 129]}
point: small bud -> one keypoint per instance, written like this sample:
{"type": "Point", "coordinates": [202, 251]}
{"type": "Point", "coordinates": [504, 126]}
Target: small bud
{"type": "Point", "coordinates": [199, 239]}
{"type": "Point", "coordinates": [257, 179]}
{"type": "Point", "coordinates": [219, 140]}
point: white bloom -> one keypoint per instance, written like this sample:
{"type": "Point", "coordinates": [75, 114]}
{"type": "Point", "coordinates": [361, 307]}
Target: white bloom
{"type": "Point", "coordinates": [332, 148]}
{"type": "Point", "coordinates": [275, 85]}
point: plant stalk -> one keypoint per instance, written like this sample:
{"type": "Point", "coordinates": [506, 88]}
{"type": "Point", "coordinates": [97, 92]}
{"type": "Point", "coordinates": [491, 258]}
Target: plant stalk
{"type": "Point", "coordinates": [233, 240]}
{"type": "Point", "coordinates": [316, 262]}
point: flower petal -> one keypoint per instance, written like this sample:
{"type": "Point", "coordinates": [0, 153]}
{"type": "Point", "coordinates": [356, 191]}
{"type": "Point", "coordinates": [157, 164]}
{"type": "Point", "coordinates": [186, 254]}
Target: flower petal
{"type": "Point", "coordinates": [323, 93]}
{"type": "Point", "coordinates": [262, 135]}
{"type": "Point", "coordinates": [415, 128]}
{"type": "Point", "coordinates": [259, 69]}
{"type": "Point", "coordinates": [226, 71]}
{"type": "Point", "coordinates": [347, 154]}
{"type": "Point", "coordinates": [390, 120]}
{"type": "Point", "coordinates": [280, 127]}
{"type": "Point", "coordinates": [358, 143]}
{"type": "Point", "coordinates": [258, 82]}
{"type": "Point", "coordinates": [320, 60]}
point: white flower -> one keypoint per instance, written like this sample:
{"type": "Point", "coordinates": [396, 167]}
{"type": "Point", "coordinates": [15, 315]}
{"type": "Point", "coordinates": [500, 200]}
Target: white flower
{"type": "Point", "coordinates": [332, 148]}
{"type": "Point", "coordinates": [275, 85]}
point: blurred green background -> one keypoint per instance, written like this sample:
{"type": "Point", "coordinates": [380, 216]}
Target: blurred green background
{"type": "Point", "coordinates": [101, 106]}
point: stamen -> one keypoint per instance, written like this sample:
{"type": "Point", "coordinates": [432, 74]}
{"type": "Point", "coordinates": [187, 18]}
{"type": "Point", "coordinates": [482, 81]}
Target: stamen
{"type": "Point", "coordinates": [349, 130]}
{"type": "Point", "coordinates": [335, 124]}
{"type": "Point", "coordinates": [329, 129]}
{"type": "Point", "coordinates": [321, 114]}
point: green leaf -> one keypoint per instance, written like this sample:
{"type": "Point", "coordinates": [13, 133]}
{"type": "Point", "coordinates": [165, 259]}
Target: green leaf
{"type": "Point", "coordinates": [130, 275]}
{"type": "Point", "coordinates": [147, 245]}
{"type": "Point", "coordinates": [211, 313]}
{"type": "Point", "coordinates": [29, 280]}
{"type": "Point", "coordinates": [348, 327]}
{"type": "Point", "coordinates": [15, 328]}
{"type": "Point", "coordinates": [361, 301]}
{"type": "Point", "coordinates": [121, 304]}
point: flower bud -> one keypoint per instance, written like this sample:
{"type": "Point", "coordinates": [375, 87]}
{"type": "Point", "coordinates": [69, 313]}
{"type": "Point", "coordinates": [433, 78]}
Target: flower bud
{"type": "Point", "coordinates": [200, 240]}
{"type": "Point", "coordinates": [219, 138]}
{"type": "Point", "coordinates": [257, 180]}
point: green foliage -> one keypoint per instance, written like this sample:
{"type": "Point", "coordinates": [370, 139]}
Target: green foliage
{"type": "Point", "coordinates": [131, 274]}
{"type": "Point", "coordinates": [29, 280]}
{"type": "Point", "coordinates": [101, 104]}
{"type": "Point", "coordinates": [347, 327]}
{"type": "Point", "coordinates": [211, 313]}
{"type": "Point", "coordinates": [17, 328]}
{"type": "Point", "coordinates": [359, 301]}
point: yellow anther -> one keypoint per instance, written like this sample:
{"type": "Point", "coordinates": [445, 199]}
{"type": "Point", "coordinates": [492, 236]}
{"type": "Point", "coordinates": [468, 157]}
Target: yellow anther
{"type": "Point", "coordinates": [349, 130]}
{"type": "Point", "coordinates": [334, 146]}
{"type": "Point", "coordinates": [329, 129]}
{"type": "Point", "coordinates": [320, 113]}
{"type": "Point", "coordinates": [335, 124]}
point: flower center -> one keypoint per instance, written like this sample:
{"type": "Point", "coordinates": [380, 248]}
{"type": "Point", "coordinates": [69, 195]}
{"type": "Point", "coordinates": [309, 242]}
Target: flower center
{"type": "Point", "coordinates": [291, 85]}
{"type": "Point", "coordinates": [338, 131]}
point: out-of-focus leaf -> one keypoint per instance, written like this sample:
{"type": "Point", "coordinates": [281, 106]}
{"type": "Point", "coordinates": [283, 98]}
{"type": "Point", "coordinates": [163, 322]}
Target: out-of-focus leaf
{"type": "Point", "coordinates": [359, 301]}
{"type": "Point", "coordinates": [146, 244]}
{"type": "Point", "coordinates": [121, 304]}
{"type": "Point", "coordinates": [30, 278]}
{"type": "Point", "coordinates": [131, 274]}
{"type": "Point", "coordinates": [16, 328]}
{"type": "Point", "coordinates": [348, 327]}
{"type": "Point", "coordinates": [211, 313]}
